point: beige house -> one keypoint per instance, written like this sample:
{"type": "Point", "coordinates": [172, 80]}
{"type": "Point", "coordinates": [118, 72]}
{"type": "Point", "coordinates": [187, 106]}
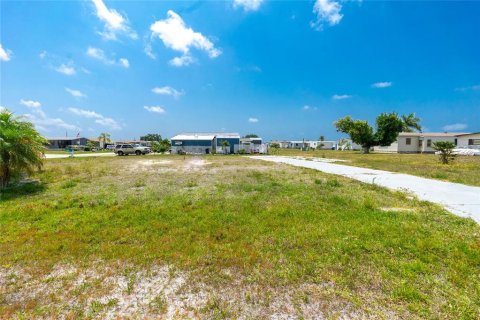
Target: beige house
{"type": "Point", "coordinates": [420, 142]}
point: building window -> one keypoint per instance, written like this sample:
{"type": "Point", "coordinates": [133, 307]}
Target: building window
{"type": "Point", "coordinates": [429, 143]}
{"type": "Point", "coordinates": [456, 142]}
{"type": "Point", "coordinates": [409, 141]}
{"type": "Point", "coordinates": [473, 142]}
{"type": "Point", "coordinates": [420, 142]}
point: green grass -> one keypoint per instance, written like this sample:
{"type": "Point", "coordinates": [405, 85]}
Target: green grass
{"type": "Point", "coordinates": [254, 227]}
{"type": "Point", "coordinates": [464, 169]}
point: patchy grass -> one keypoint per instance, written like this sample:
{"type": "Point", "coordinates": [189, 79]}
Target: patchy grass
{"type": "Point", "coordinates": [228, 237]}
{"type": "Point", "coordinates": [464, 169]}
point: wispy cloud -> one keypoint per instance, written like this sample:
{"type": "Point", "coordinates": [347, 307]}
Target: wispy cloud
{"type": "Point", "coordinates": [307, 108]}
{"type": "Point", "coordinates": [5, 54]}
{"type": "Point", "coordinates": [252, 120]}
{"type": "Point", "coordinates": [341, 96]}
{"type": "Point", "coordinates": [66, 70]}
{"type": "Point", "coordinates": [469, 88]}
{"type": "Point", "coordinates": [168, 91]}
{"type": "Point", "coordinates": [327, 11]}
{"type": "Point", "coordinates": [177, 36]}
{"type": "Point", "coordinates": [75, 93]}
{"type": "Point", "coordinates": [455, 127]}
{"type": "Point", "coordinates": [30, 103]}
{"type": "Point", "coordinates": [384, 84]}
{"type": "Point", "coordinates": [115, 23]}
{"type": "Point", "coordinates": [100, 55]}
{"type": "Point", "coordinates": [154, 109]}
{"type": "Point", "coordinates": [40, 118]}
{"type": "Point", "coordinates": [247, 5]}
{"type": "Point", "coordinates": [100, 119]}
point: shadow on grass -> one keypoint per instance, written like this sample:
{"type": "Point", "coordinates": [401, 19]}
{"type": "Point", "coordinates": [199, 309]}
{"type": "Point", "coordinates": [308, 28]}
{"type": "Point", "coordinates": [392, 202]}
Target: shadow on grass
{"type": "Point", "coordinates": [21, 190]}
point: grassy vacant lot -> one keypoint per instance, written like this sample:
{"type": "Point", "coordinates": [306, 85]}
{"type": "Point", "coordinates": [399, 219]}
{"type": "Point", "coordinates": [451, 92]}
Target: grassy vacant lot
{"type": "Point", "coordinates": [228, 237]}
{"type": "Point", "coordinates": [464, 169]}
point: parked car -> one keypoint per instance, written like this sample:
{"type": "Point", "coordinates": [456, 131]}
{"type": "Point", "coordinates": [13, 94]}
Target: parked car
{"type": "Point", "coordinates": [110, 147]}
{"type": "Point", "coordinates": [126, 149]}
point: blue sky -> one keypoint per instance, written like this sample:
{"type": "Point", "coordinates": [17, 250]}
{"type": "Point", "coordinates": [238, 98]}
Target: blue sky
{"type": "Point", "coordinates": [281, 69]}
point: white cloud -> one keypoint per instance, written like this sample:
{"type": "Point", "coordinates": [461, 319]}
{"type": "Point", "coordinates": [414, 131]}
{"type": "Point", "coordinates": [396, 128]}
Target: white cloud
{"type": "Point", "coordinates": [5, 55]}
{"type": "Point", "coordinates": [66, 70]}
{"type": "Point", "coordinates": [184, 60]}
{"type": "Point", "coordinates": [115, 23]}
{"type": "Point", "coordinates": [177, 36]}
{"type": "Point", "coordinates": [154, 109]}
{"type": "Point", "coordinates": [124, 63]}
{"type": "Point", "coordinates": [473, 88]}
{"type": "Point", "coordinates": [43, 54]}
{"type": "Point", "coordinates": [30, 103]}
{"type": "Point", "coordinates": [100, 119]}
{"type": "Point", "coordinates": [307, 107]}
{"type": "Point", "coordinates": [385, 84]}
{"type": "Point", "coordinates": [75, 93]}
{"type": "Point", "coordinates": [2, 108]}
{"type": "Point", "coordinates": [327, 11]}
{"type": "Point", "coordinates": [252, 120]}
{"type": "Point", "coordinates": [455, 127]}
{"type": "Point", "coordinates": [149, 51]}
{"type": "Point", "coordinates": [247, 5]}
{"type": "Point", "coordinates": [341, 96]}
{"type": "Point", "coordinates": [99, 54]}
{"type": "Point", "coordinates": [40, 118]}
{"type": "Point", "coordinates": [168, 91]}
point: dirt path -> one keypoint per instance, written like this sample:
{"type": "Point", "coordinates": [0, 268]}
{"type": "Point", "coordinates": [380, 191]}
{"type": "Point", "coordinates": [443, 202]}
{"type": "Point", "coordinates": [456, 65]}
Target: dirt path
{"type": "Point", "coordinates": [457, 198]}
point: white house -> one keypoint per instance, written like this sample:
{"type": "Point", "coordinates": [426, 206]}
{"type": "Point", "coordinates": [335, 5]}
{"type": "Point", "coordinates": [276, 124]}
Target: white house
{"type": "Point", "coordinates": [420, 142]}
{"type": "Point", "coordinates": [469, 140]}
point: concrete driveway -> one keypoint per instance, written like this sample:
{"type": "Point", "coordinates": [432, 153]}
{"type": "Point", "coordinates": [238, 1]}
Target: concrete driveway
{"type": "Point", "coordinates": [457, 198]}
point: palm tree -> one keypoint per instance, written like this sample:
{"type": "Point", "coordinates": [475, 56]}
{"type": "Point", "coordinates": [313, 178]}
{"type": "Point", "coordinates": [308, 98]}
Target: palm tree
{"type": "Point", "coordinates": [225, 144]}
{"type": "Point", "coordinates": [411, 123]}
{"type": "Point", "coordinates": [21, 147]}
{"type": "Point", "coordinates": [104, 137]}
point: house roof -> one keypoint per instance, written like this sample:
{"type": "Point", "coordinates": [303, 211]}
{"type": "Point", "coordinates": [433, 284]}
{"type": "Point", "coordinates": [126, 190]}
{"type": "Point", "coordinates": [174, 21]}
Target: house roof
{"type": "Point", "coordinates": [430, 134]}
{"type": "Point", "coordinates": [65, 138]}
{"type": "Point", "coordinates": [204, 135]}
{"type": "Point", "coordinates": [468, 134]}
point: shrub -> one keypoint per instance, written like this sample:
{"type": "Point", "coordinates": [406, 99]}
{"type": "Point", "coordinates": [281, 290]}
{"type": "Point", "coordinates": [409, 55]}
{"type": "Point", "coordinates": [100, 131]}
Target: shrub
{"type": "Point", "coordinates": [445, 149]}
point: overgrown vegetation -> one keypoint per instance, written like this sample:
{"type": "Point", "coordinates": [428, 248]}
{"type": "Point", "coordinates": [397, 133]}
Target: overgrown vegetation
{"type": "Point", "coordinates": [263, 238]}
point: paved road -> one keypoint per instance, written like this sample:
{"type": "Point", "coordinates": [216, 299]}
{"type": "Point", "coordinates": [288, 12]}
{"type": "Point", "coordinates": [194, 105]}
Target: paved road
{"type": "Point", "coordinates": [457, 198]}
{"type": "Point", "coordinates": [80, 155]}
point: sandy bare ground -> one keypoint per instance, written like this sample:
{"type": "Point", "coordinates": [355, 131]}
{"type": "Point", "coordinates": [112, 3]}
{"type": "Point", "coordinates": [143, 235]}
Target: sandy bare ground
{"type": "Point", "coordinates": [162, 292]}
{"type": "Point", "coordinates": [457, 198]}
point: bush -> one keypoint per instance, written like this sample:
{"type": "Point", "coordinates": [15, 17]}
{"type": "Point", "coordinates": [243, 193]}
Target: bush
{"type": "Point", "coordinates": [446, 151]}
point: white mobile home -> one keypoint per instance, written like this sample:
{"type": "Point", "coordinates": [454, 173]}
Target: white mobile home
{"type": "Point", "coordinates": [422, 142]}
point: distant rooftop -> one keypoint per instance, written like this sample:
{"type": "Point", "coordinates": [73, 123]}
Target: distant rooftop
{"type": "Point", "coordinates": [204, 135]}
{"type": "Point", "coordinates": [431, 134]}
{"type": "Point", "coordinates": [64, 138]}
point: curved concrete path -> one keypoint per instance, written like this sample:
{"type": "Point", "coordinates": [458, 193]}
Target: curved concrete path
{"type": "Point", "coordinates": [459, 199]}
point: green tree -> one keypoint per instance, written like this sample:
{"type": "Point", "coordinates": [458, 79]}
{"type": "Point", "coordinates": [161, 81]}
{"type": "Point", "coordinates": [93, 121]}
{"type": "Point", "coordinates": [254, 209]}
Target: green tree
{"type": "Point", "coordinates": [91, 144]}
{"type": "Point", "coordinates": [21, 147]}
{"type": "Point", "coordinates": [161, 146]}
{"type": "Point", "coordinates": [151, 137]}
{"type": "Point", "coordinates": [388, 126]}
{"type": "Point", "coordinates": [225, 144]}
{"type": "Point", "coordinates": [445, 149]}
{"type": "Point", "coordinates": [105, 138]}
{"type": "Point", "coordinates": [274, 146]}
{"type": "Point", "coordinates": [251, 135]}
{"type": "Point", "coordinates": [321, 144]}
{"type": "Point", "coordinates": [411, 123]}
